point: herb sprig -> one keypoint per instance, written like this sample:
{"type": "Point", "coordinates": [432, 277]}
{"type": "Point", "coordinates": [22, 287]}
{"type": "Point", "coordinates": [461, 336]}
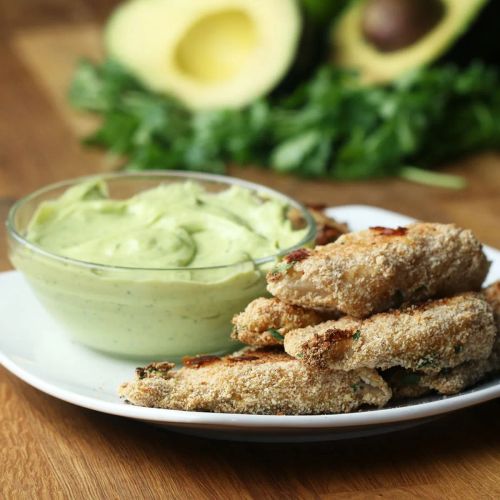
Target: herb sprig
{"type": "Point", "coordinates": [329, 127]}
{"type": "Point", "coordinates": [276, 334]}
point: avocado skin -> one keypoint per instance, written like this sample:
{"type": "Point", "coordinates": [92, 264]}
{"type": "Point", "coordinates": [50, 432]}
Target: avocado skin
{"type": "Point", "coordinates": [473, 40]}
{"type": "Point", "coordinates": [480, 42]}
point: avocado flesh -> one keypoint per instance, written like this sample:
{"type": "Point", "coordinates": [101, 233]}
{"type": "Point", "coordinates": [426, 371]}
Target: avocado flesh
{"type": "Point", "coordinates": [350, 48]}
{"type": "Point", "coordinates": [216, 46]}
{"type": "Point", "coordinates": [206, 53]}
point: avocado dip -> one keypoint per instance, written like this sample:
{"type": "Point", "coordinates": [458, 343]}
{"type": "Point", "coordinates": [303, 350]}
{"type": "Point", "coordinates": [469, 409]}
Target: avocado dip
{"type": "Point", "coordinates": [156, 275]}
{"type": "Point", "coordinates": [170, 226]}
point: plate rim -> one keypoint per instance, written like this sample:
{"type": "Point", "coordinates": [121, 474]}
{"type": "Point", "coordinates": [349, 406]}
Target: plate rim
{"type": "Point", "coordinates": [330, 421]}
{"type": "Point", "coordinates": [259, 422]}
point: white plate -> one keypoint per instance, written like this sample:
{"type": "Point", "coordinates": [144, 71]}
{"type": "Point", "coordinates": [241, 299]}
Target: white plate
{"type": "Point", "coordinates": [34, 349]}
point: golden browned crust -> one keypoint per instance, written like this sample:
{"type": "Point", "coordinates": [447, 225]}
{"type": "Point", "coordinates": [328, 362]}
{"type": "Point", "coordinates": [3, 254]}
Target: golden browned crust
{"type": "Point", "coordinates": [435, 335]}
{"type": "Point", "coordinates": [406, 384]}
{"type": "Point", "coordinates": [266, 321]}
{"type": "Point", "coordinates": [374, 270]}
{"type": "Point", "coordinates": [259, 381]}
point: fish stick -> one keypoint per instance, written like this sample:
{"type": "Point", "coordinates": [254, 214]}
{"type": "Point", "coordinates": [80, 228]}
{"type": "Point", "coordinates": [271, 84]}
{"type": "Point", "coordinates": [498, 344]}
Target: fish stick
{"type": "Point", "coordinates": [374, 270]}
{"type": "Point", "coordinates": [265, 321]}
{"type": "Point", "coordinates": [259, 381]}
{"type": "Point", "coordinates": [438, 334]}
{"type": "Point", "coordinates": [407, 384]}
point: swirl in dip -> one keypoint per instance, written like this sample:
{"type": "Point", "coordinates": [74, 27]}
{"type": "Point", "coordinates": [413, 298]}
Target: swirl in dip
{"type": "Point", "coordinates": [170, 226]}
{"type": "Point", "coordinates": [159, 273]}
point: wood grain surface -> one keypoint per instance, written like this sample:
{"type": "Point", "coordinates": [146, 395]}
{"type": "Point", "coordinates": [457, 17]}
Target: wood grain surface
{"type": "Point", "coordinates": [50, 449]}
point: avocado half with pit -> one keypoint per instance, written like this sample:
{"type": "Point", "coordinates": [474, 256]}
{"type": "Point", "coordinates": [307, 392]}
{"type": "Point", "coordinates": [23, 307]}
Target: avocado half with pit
{"type": "Point", "coordinates": [206, 53]}
{"type": "Point", "coordinates": [383, 39]}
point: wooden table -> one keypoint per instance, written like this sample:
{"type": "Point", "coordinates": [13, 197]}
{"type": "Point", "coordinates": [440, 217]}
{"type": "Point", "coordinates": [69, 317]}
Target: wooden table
{"type": "Point", "coordinates": [51, 449]}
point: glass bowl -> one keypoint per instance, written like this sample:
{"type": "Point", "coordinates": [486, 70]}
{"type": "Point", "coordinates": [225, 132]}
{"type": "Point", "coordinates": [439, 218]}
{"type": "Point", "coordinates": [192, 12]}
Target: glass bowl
{"type": "Point", "coordinates": [137, 312]}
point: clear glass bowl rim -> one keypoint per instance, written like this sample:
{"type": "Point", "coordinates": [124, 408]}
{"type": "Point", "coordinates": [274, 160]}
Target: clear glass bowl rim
{"type": "Point", "coordinates": [165, 174]}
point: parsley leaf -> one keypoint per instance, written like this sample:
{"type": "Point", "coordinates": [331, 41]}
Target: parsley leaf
{"type": "Point", "coordinates": [330, 126]}
{"type": "Point", "coordinates": [427, 361]}
{"type": "Point", "coordinates": [282, 267]}
{"type": "Point", "coordinates": [276, 334]}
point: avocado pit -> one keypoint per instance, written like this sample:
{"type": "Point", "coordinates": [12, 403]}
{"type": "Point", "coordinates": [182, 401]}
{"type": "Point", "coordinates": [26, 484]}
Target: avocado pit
{"type": "Point", "coordinates": [391, 25]}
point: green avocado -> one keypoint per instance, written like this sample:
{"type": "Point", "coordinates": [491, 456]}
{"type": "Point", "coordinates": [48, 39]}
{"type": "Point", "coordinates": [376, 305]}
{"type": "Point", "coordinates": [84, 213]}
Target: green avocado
{"type": "Point", "coordinates": [207, 53]}
{"type": "Point", "coordinates": [383, 39]}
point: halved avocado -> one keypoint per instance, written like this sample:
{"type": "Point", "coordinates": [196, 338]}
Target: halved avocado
{"type": "Point", "coordinates": [383, 39]}
{"type": "Point", "coordinates": [207, 53]}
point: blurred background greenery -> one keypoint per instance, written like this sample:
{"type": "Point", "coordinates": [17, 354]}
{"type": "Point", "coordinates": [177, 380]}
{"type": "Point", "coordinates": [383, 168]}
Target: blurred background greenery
{"type": "Point", "coordinates": [319, 88]}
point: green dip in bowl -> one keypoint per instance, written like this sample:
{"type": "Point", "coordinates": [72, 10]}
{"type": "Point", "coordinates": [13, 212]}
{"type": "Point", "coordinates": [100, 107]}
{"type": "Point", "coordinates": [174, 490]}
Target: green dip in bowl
{"type": "Point", "coordinates": [152, 265]}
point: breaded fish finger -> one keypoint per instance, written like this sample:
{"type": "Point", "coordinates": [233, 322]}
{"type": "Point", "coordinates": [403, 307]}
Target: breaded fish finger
{"type": "Point", "coordinates": [266, 320]}
{"type": "Point", "coordinates": [260, 381]}
{"type": "Point", "coordinates": [374, 270]}
{"type": "Point", "coordinates": [438, 334]}
{"type": "Point", "coordinates": [408, 384]}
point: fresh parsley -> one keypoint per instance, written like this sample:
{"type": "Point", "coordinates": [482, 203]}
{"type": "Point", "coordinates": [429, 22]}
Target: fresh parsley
{"type": "Point", "coordinates": [276, 334]}
{"type": "Point", "coordinates": [329, 127]}
{"type": "Point", "coordinates": [357, 386]}
{"type": "Point", "coordinates": [356, 335]}
{"type": "Point", "coordinates": [282, 267]}
{"type": "Point", "coordinates": [427, 361]}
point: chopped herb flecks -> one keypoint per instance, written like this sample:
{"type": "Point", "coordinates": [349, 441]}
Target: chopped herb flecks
{"type": "Point", "coordinates": [276, 334]}
{"type": "Point", "coordinates": [282, 267]}
{"type": "Point", "coordinates": [356, 335]}
{"type": "Point", "coordinates": [426, 362]}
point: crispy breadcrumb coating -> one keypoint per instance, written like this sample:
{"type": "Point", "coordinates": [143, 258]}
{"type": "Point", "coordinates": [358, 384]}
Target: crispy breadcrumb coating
{"type": "Point", "coordinates": [266, 321]}
{"type": "Point", "coordinates": [377, 269]}
{"type": "Point", "coordinates": [438, 334]}
{"type": "Point", "coordinates": [407, 384]}
{"type": "Point", "coordinates": [259, 381]}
